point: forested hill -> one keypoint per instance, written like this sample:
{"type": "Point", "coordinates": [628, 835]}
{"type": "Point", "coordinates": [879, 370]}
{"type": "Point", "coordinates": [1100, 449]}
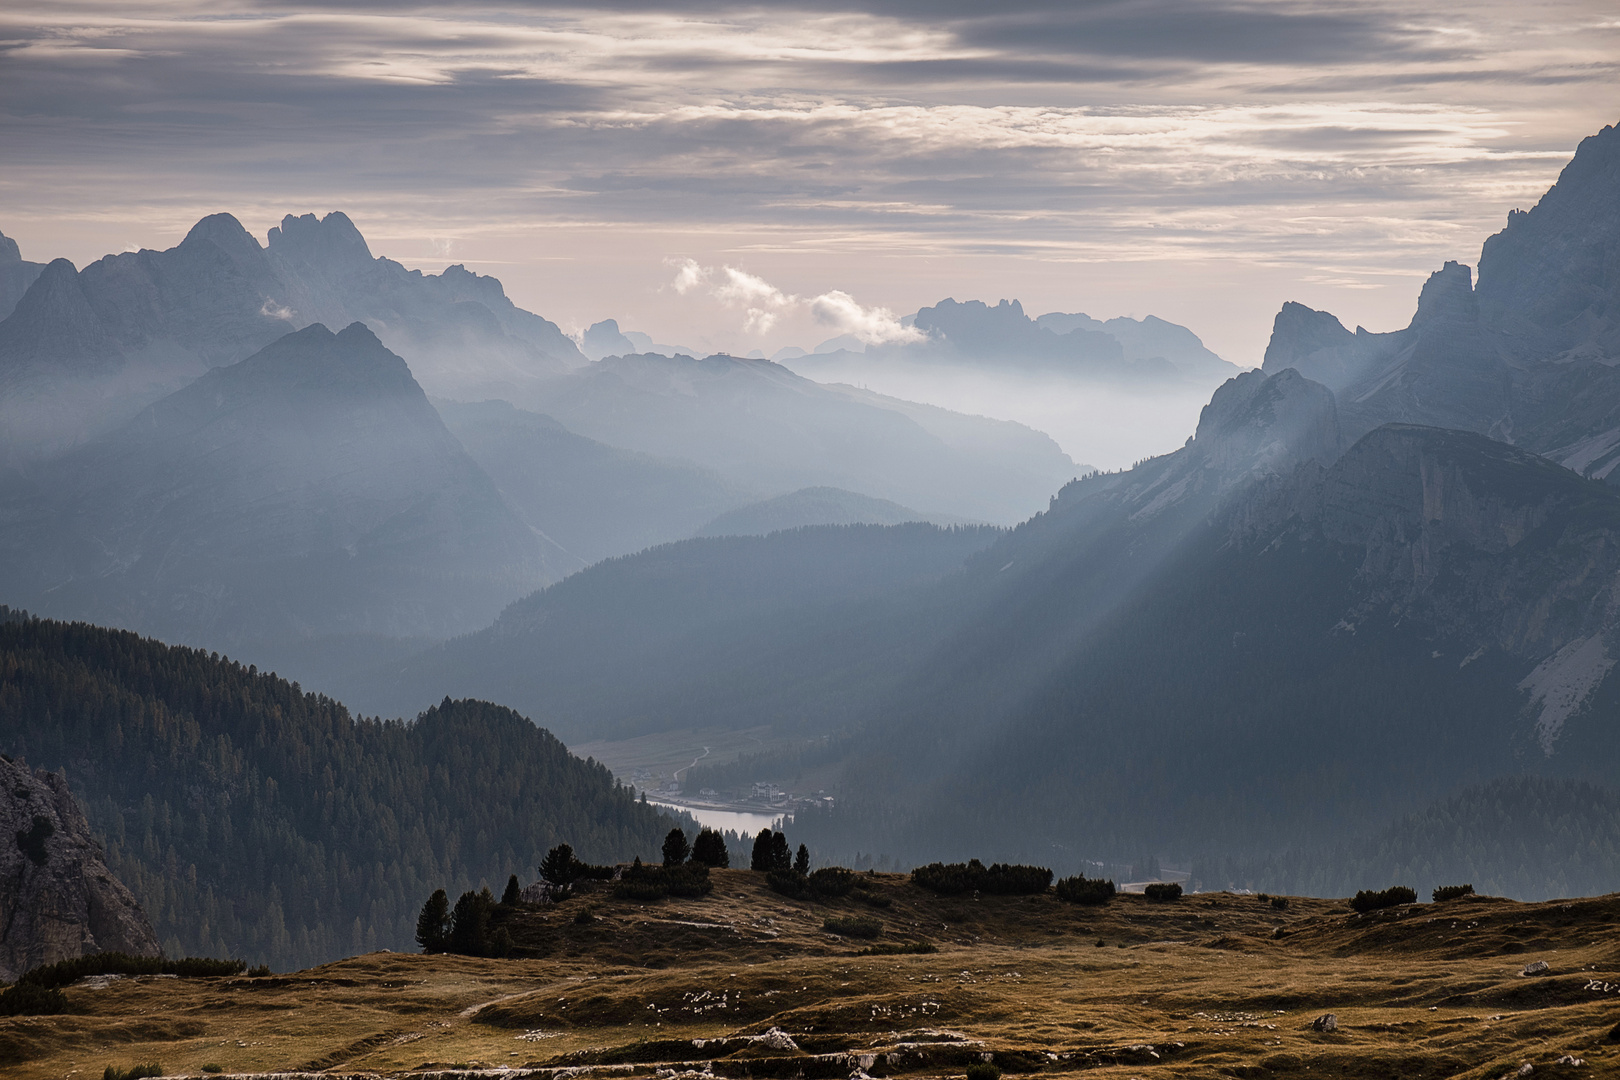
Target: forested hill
{"type": "Point", "coordinates": [252, 819]}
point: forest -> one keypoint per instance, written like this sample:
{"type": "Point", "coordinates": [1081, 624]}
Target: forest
{"type": "Point", "coordinates": [255, 820]}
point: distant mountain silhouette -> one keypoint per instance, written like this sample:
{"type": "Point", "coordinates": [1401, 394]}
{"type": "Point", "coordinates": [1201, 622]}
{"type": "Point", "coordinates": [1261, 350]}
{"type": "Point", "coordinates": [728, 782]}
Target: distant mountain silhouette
{"type": "Point", "coordinates": [764, 428]}
{"type": "Point", "coordinates": [1124, 352]}
{"type": "Point", "coordinates": [307, 491]}
{"type": "Point", "coordinates": [813, 506]}
{"type": "Point", "coordinates": [85, 350]}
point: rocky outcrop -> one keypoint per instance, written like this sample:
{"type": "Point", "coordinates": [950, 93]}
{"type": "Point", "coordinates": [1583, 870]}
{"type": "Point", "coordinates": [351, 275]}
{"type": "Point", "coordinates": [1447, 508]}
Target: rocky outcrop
{"type": "Point", "coordinates": [58, 900]}
{"type": "Point", "coordinates": [16, 274]}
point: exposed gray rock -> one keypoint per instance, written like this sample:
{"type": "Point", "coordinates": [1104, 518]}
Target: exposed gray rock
{"type": "Point", "coordinates": [1325, 1022]}
{"type": "Point", "coordinates": [58, 900]}
{"type": "Point", "coordinates": [1539, 967]}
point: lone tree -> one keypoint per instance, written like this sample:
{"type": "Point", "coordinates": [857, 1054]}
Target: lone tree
{"type": "Point", "coordinates": [433, 925]}
{"type": "Point", "coordinates": [761, 858]}
{"type": "Point", "coordinates": [781, 854]}
{"type": "Point", "coordinates": [801, 861]}
{"type": "Point", "coordinates": [710, 849]}
{"type": "Point", "coordinates": [513, 891]}
{"type": "Point", "coordinates": [557, 868]}
{"type": "Point", "coordinates": [676, 849]}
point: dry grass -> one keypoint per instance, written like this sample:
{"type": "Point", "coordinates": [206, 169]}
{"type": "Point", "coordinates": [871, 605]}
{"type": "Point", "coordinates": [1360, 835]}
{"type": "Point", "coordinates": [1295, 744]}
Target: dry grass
{"type": "Point", "coordinates": [1212, 985]}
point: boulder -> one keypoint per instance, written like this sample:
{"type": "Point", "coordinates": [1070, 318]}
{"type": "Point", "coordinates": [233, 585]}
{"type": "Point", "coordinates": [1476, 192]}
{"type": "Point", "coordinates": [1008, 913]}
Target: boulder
{"type": "Point", "coordinates": [1325, 1022]}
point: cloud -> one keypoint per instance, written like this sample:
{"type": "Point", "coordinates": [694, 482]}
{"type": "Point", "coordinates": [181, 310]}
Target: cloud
{"type": "Point", "coordinates": [764, 304]}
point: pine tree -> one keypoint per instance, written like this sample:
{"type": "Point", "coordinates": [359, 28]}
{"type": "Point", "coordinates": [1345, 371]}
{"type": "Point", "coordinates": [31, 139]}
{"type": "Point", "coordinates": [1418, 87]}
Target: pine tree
{"type": "Point", "coordinates": [676, 849]}
{"type": "Point", "coordinates": [710, 849]}
{"type": "Point", "coordinates": [781, 855]}
{"type": "Point", "coordinates": [512, 893]}
{"type": "Point", "coordinates": [433, 925]}
{"type": "Point", "coordinates": [557, 868]}
{"type": "Point", "coordinates": [469, 923]}
{"type": "Point", "coordinates": [761, 859]}
{"type": "Point", "coordinates": [801, 862]}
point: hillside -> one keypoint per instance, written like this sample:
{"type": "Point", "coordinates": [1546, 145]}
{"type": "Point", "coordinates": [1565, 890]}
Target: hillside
{"type": "Point", "coordinates": [744, 983]}
{"type": "Point", "coordinates": [812, 506]}
{"type": "Point", "coordinates": [797, 629]}
{"type": "Point", "coordinates": [252, 819]}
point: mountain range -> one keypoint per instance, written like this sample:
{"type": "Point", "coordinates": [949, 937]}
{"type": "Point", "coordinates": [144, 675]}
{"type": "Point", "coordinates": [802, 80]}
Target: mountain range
{"type": "Point", "coordinates": [1381, 571]}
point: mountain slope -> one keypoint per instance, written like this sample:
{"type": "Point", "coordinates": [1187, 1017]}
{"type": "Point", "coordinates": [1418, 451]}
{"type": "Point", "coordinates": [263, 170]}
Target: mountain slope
{"type": "Point", "coordinates": [1432, 610]}
{"type": "Point", "coordinates": [16, 274]}
{"type": "Point", "coordinates": [799, 629]}
{"type": "Point", "coordinates": [762, 427]}
{"type": "Point", "coordinates": [596, 501]}
{"type": "Point", "coordinates": [252, 819]}
{"type": "Point", "coordinates": [307, 491]}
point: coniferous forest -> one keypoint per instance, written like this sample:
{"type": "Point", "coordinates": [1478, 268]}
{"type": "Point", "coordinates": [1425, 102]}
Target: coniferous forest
{"type": "Point", "coordinates": [254, 820]}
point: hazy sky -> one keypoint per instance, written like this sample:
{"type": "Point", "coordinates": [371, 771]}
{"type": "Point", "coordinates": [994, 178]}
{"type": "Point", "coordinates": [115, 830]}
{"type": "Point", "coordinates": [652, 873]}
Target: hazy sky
{"type": "Point", "coordinates": [1199, 161]}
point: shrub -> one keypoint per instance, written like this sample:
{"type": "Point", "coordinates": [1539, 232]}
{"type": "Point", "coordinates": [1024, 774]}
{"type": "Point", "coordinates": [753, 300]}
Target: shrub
{"type": "Point", "coordinates": [1003, 879]}
{"type": "Point", "coordinates": [1366, 900]}
{"type": "Point", "coordinates": [1279, 902]}
{"type": "Point", "coordinates": [30, 999]}
{"type": "Point", "coordinates": [983, 1070]}
{"type": "Point", "coordinates": [872, 898]}
{"type": "Point", "coordinates": [1443, 893]}
{"type": "Point", "coordinates": [861, 926]}
{"type": "Point", "coordinates": [213, 1068]}
{"type": "Point", "coordinates": [260, 972]}
{"type": "Point", "coordinates": [134, 1072]}
{"type": "Point", "coordinates": [710, 849]}
{"type": "Point", "coordinates": [832, 881]}
{"type": "Point", "coordinates": [1083, 890]}
{"type": "Point", "coordinates": [899, 948]}
{"type": "Point", "coordinates": [789, 884]}
{"type": "Point", "coordinates": [64, 972]}
{"type": "Point", "coordinates": [647, 883]}
{"type": "Point", "coordinates": [1163, 891]}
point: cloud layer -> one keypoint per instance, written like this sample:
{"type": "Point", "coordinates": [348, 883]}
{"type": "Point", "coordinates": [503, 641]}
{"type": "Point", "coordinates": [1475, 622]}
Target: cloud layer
{"type": "Point", "coordinates": [1345, 146]}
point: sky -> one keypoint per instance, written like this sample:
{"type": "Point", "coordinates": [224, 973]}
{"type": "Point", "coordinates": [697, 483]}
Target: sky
{"type": "Point", "coordinates": [1200, 161]}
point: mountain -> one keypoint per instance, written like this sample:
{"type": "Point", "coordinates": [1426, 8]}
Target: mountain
{"type": "Point", "coordinates": [1529, 356]}
{"type": "Point", "coordinates": [253, 819]}
{"type": "Point", "coordinates": [762, 427]}
{"type": "Point", "coordinates": [16, 274]}
{"type": "Point", "coordinates": [811, 506]}
{"type": "Point", "coordinates": [799, 629]}
{"type": "Point", "coordinates": [58, 900]}
{"type": "Point", "coordinates": [85, 350]}
{"type": "Point", "coordinates": [309, 492]}
{"type": "Point", "coordinates": [972, 333]}
{"type": "Point", "coordinates": [595, 501]}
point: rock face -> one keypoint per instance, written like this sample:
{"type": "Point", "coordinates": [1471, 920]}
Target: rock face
{"type": "Point", "coordinates": [58, 900]}
{"type": "Point", "coordinates": [16, 274]}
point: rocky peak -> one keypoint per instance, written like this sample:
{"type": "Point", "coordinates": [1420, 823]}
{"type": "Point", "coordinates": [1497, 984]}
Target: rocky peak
{"type": "Point", "coordinates": [605, 339]}
{"type": "Point", "coordinates": [352, 363]}
{"type": "Point", "coordinates": [58, 900]}
{"type": "Point", "coordinates": [54, 326]}
{"type": "Point", "coordinates": [9, 251]}
{"type": "Point", "coordinates": [1299, 331]}
{"type": "Point", "coordinates": [1447, 297]}
{"type": "Point", "coordinates": [227, 234]}
{"type": "Point", "coordinates": [1260, 423]}
{"type": "Point", "coordinates": [331, 244]}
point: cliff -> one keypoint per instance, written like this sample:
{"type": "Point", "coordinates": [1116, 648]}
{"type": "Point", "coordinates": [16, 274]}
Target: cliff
{"type": "Point", "coordinates": [58, 900]}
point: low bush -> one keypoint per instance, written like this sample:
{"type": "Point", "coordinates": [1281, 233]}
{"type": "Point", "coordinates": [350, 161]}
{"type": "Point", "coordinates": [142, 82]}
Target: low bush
{"type": "Point", "coordinates": [1442, 893]}
{"type": "Point", "coordinates": [1366, 900]}
{"type": "Point", "coordinates": [823, 884]}
{"type": "Point", "coordinates": [860, 926]}
{"type": "Point", "coordinates": [1279, 902]}
{"type": "Point", "coordinates": [213, 1068]}
{"type": "Point", "coordinates": [983, 1070]}
{"type": "Point", "coordinates": [31, 999]}
{"type": "Point", "coordinates": [1162, 891]}
{"type": "Point", "coordinates": [873, 898]}
{"type": "Point", "coordinates": [647, 883]}
{"type": "Point", "coordinates": [64, 972]}
{"type": "Point", "coordinates": [262, 971]}
{"type": "Point", "coordinates": [134, 1072]}
{"type": "Point", "coordinates": [789, 884]}
{"type": "Point", "coordinates": [1083, 890]}
{"type": "Point", "coordinates": [899, 948]}
{"type": "Point", "coordinates": [1002, 879]}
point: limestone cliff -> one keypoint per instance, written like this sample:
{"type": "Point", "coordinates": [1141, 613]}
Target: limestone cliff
{"type": "Point", "coordinates": [58, 900]}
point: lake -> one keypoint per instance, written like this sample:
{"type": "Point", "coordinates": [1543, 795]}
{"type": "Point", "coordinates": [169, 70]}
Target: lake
{"type": "Point", "coordinates": [725, 820]}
